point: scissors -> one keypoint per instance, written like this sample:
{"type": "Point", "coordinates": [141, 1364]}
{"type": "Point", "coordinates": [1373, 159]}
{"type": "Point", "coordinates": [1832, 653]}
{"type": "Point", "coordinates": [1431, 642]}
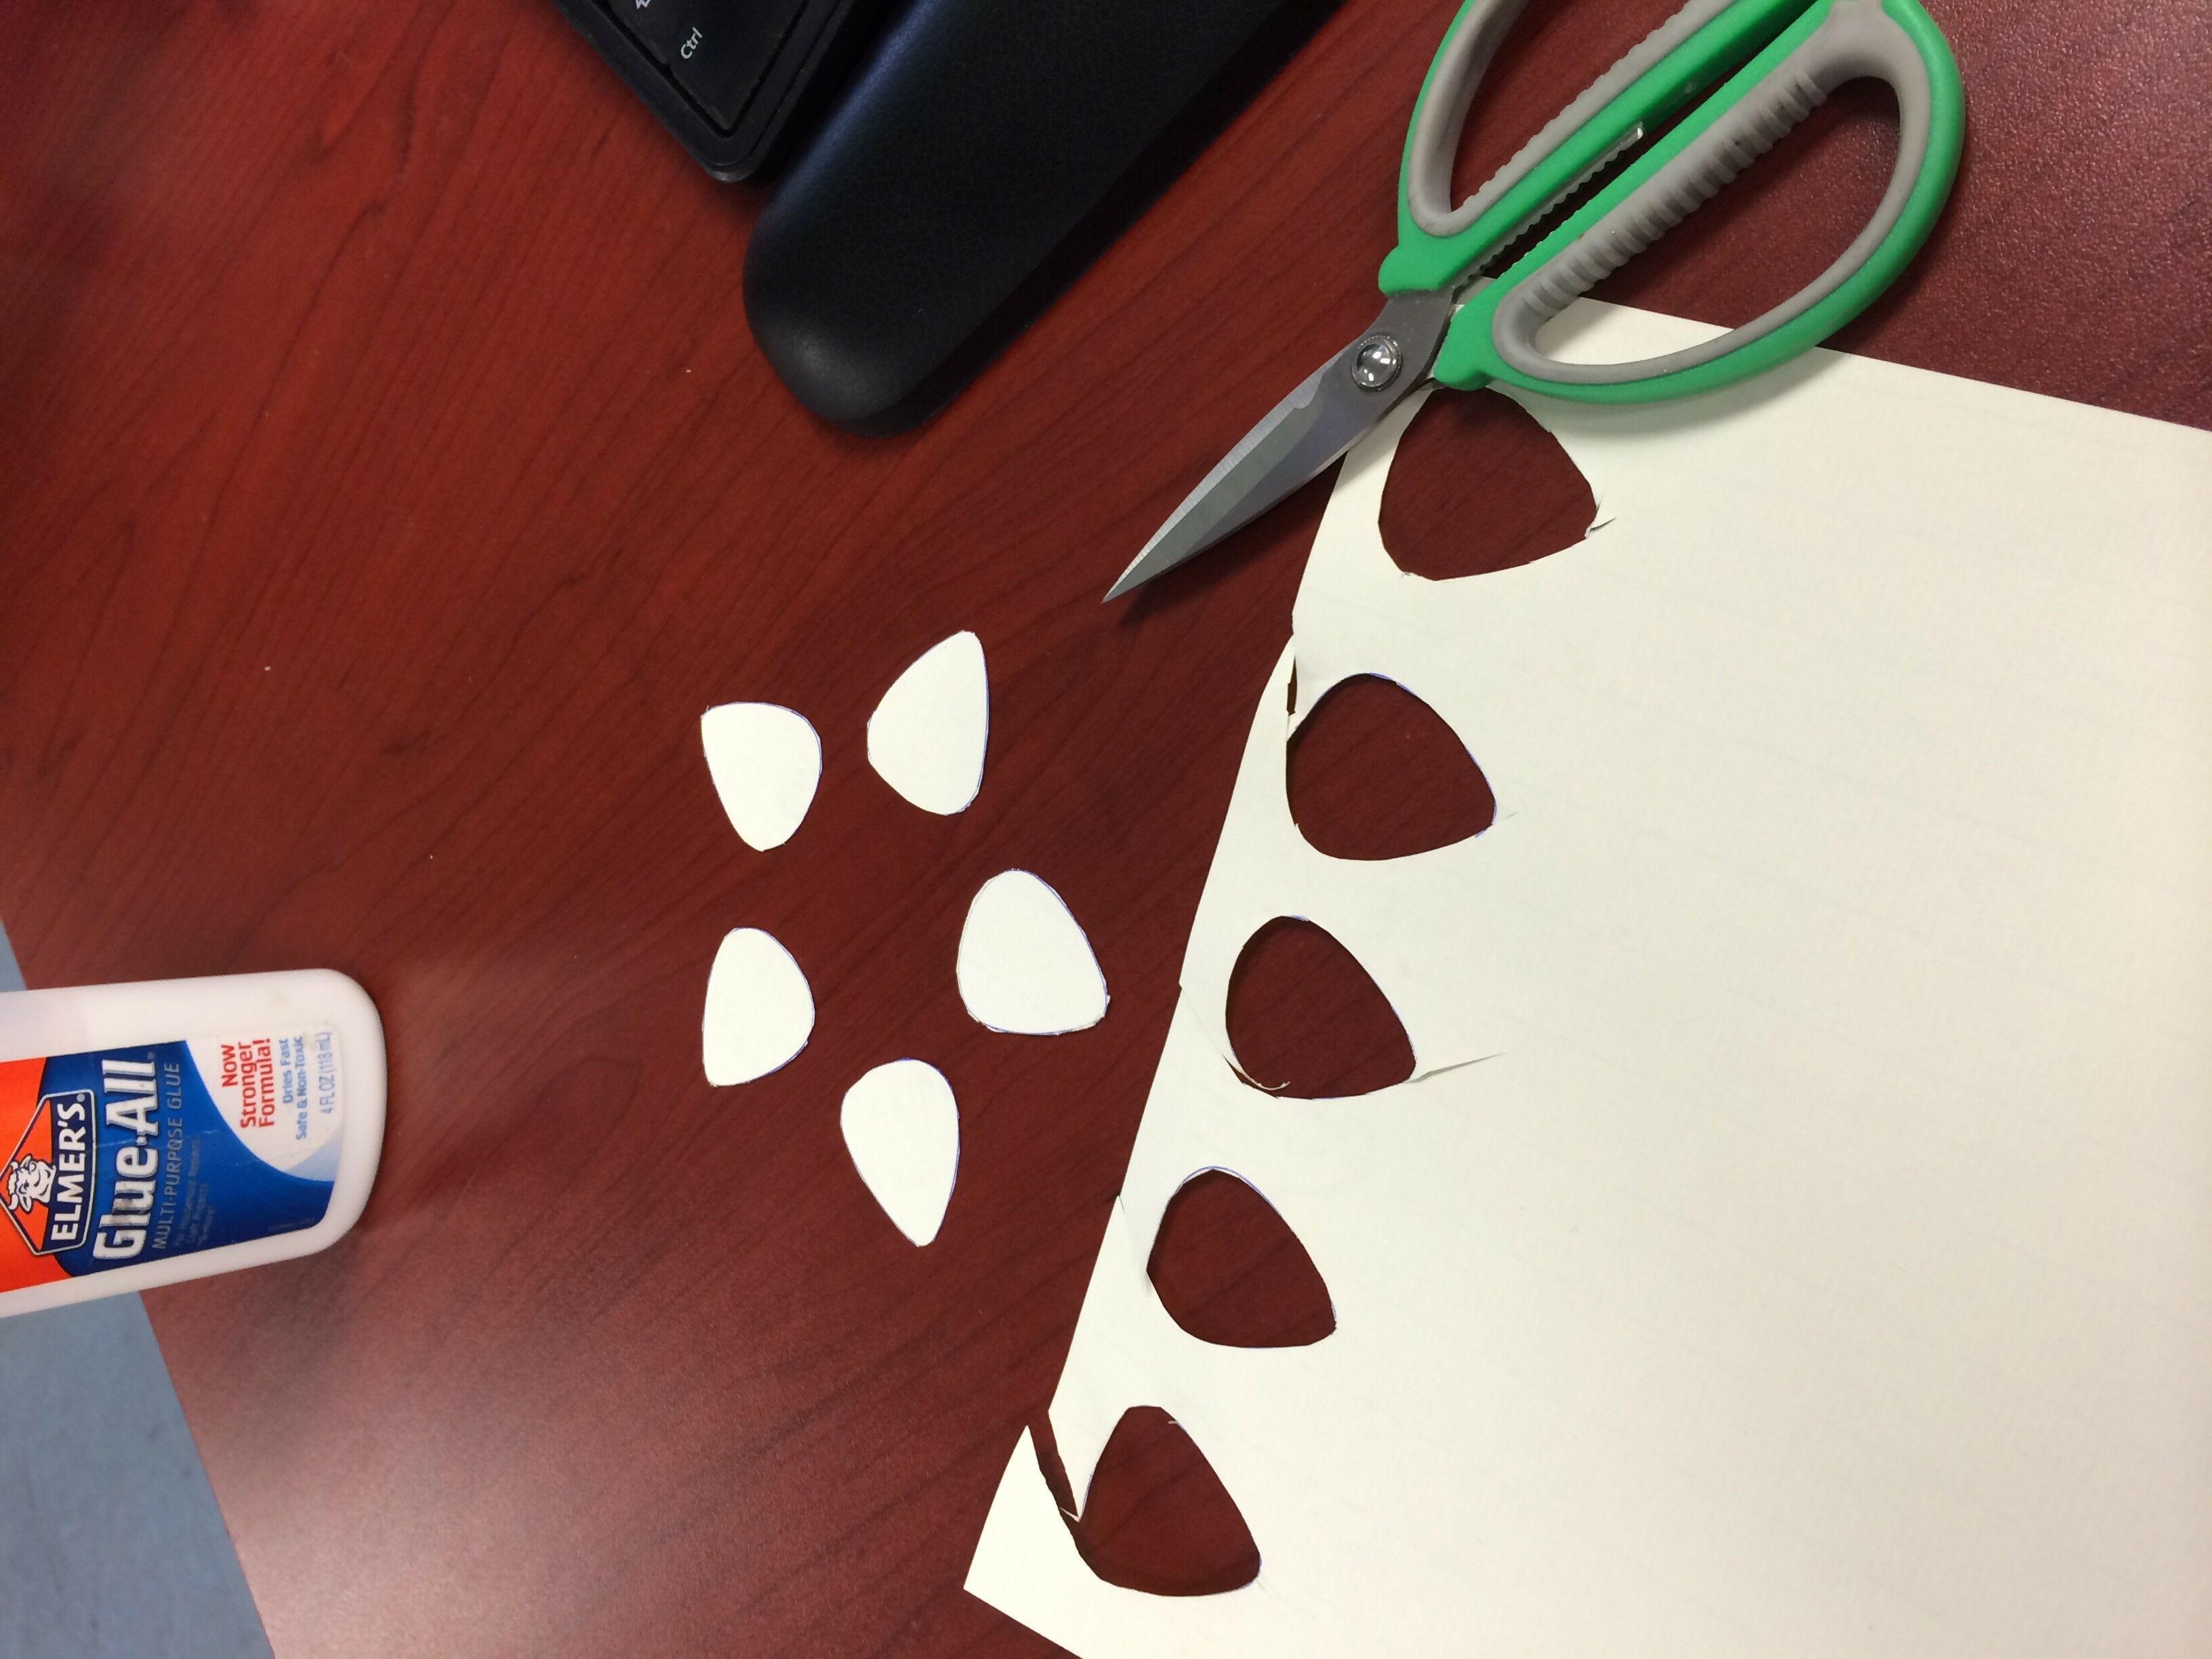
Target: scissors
{"type": "Point", "coordinates": [1442, 321]}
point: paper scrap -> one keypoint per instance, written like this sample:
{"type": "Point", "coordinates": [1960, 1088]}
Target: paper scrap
{"type": "Point", "coordinates": [759, 1009]}
{"type": "Point", "coordinates": [766, 761]}
{"type": "Point", "coordinates": [1815, 1262]}
{"type": "Point", "coordinates": [1024, 963]}
{"type": "Point", "coordinates": [927, 735]}
{"type": "Point", "coordinates": [902, 1127]}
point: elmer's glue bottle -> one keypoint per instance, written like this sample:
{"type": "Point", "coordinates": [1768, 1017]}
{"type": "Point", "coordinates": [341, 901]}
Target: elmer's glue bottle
{"type": "Point", "coordinates": [158, 1132]}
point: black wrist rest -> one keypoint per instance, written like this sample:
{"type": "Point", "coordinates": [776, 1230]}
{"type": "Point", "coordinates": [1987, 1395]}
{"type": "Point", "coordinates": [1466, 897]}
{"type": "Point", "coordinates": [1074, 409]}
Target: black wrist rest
{"type": "Point", "coordinates": [986, 152]}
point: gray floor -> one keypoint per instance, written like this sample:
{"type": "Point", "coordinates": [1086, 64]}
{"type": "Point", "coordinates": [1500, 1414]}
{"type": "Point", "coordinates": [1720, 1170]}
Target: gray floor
{"type": "Point", "coordinates": [110, 1540]}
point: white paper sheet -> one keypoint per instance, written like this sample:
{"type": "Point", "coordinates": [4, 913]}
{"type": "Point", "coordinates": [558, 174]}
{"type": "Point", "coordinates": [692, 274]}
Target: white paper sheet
{"type": "Point", "coordinates": [1817, 1259]}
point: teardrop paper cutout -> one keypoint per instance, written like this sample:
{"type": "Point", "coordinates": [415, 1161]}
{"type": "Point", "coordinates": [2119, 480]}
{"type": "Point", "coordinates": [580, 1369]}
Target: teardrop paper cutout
{"type": "Point", "coordinates": [1229, 1270]}
{"type": "Point", "coordinates": [759, 1009]}
{"type": "Point", "coordinates": [902, 1127]}
{"type": "Point", "coordinates": [1374, 773]}
{"type": "Point", "coordinates": [927, 735]}
{"type": "Point", "coordinates": [766, 761]}
{"type": "Point", "coordinates": [1304, 1018]}
{"type": "Point", "coordinates": [1156, 1518]}
{"type": "Point", "coordinates": [1025, 964]}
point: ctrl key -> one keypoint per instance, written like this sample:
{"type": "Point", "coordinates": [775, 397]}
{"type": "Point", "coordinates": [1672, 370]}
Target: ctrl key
{"type": "Point", "coordinates": [659, 25]}
{"type": "Point", "coordinates": [717, 50]}
{"type": "Point", "coordinates": [721, 56]}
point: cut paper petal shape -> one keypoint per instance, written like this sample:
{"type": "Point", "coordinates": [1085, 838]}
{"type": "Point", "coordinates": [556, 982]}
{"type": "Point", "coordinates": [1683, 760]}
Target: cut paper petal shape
{"type": "Point", "coordinates": [1025, 964]}
{"type": "Point", "coordinates": [927, 738]}
{"type": "Point", "coordinates": [759, 1011]}
{"type": "Point", "coordinates": [902, 1127]}
{"type": "Point", "coordinates": [766, 760]}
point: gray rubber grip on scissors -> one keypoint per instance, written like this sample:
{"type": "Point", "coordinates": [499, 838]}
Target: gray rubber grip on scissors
{"type": "Point", "coordinates": [1466, 58]}
{"type": "Point", "coordinates": [1858, 40]}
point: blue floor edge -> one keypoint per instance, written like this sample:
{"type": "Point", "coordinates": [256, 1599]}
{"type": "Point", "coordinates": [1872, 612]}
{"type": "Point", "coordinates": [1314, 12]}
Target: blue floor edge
{"type": "Point", "coordinates": [111, 1543]}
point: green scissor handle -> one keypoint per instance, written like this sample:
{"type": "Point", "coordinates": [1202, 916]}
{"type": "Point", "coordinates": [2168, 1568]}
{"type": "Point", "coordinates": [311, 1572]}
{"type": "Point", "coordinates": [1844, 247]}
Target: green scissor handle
{"type": "Point", "coordinates": [1796, 53]}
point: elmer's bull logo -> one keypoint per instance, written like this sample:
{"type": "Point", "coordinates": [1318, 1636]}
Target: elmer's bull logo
{"type": "Point", "coordinates": [46, 1184]}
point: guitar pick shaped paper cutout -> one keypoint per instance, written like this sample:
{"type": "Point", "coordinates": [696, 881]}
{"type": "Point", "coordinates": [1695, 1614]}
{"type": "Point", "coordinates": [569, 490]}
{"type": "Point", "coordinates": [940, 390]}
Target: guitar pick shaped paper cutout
{"type": "Point", "coordinates": [926, 738]}
{"type": "Point", "coordinates": [1025, 964]}
{"type": "Point", "coordinates": [902, 1127]}
{"type": "Point", "coordinates": [766, 761]}
{"type": "Point", "coordinates": [759, 1009]}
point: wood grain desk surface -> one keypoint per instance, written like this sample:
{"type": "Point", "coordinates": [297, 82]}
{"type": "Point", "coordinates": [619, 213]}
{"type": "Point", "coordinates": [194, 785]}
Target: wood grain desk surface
{"type": "Point", "coordinates": [387, 484]}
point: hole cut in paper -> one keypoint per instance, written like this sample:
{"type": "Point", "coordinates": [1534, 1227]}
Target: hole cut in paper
{"type": "Point", "coordinates": [1374, 773]}
{"type": "Point", "coordinates": [1479, 487]}
{"type": "Point", "coordinates": [1229, 1270]}
{"type": "Point", "coordinates": [1306, 1019]}
{"type": "Point", "coordinates": [1156, 1518]}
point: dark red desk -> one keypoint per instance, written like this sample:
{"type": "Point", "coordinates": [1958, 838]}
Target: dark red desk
{"type": "Point", "coordinates": [387, 483]}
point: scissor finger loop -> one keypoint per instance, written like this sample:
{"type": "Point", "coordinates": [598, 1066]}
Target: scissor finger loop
{"type": "Point", "coordinates": [1857, 41]}
{"type": "Point", "coordinates": [1441, 118]}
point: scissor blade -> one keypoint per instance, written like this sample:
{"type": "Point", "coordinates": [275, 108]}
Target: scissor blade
{"type": "Point", "coordinates": [1300, 437]}
{"type": "Point", "coordinates": [1270, 461]}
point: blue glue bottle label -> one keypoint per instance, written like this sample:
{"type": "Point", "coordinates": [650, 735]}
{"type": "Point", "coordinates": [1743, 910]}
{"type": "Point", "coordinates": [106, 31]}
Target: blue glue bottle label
{"type": "Point", "coordinates": [130, 1155]}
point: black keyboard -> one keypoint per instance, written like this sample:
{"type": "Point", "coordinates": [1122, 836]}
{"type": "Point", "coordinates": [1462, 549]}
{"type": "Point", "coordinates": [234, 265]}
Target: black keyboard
{"type": "Point", "coordinates": [731, 78]}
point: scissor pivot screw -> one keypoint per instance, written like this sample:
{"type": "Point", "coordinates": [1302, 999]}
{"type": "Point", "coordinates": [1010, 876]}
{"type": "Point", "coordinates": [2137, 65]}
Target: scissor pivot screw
{"type": "Point", "coordinates": [1376, 362]}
